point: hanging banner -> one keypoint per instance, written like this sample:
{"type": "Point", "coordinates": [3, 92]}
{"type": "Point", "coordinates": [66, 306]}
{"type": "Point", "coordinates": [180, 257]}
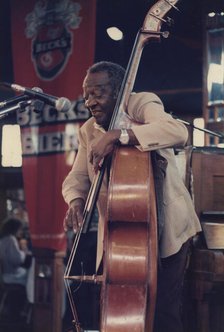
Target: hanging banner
{"type": "Point", "coordinates": [53, 45]}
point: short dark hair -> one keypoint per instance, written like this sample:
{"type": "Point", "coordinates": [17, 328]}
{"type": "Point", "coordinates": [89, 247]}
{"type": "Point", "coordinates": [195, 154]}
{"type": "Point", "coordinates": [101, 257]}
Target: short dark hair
{"type": "Point", "coordinates": [11, 227]}
{"type": "Point", "coordinates": [115, 72]}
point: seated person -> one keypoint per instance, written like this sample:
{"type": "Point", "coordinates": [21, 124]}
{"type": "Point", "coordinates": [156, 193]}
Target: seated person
{"type": "Point", "coordinates": [13, 259]}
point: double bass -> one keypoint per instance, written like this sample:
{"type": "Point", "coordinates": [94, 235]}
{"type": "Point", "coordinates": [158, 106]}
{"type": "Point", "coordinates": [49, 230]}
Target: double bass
{"type": "Point", "coordinates": [129, 278]}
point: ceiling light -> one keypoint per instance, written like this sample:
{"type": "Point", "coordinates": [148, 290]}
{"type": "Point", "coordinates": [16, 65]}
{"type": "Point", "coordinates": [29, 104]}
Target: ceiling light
{"type": "Point", "coordinates": [115, 33]}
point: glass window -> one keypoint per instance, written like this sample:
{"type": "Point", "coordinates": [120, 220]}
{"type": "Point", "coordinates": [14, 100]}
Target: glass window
{"type": "Point", "coordinates": [11, 146]}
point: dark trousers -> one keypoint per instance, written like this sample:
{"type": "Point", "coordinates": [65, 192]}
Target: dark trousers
{"type": "Point", "coordinates": [169, 291]}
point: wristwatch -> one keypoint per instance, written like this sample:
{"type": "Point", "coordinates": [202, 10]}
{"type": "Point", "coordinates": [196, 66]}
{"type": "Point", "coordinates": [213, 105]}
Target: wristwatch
{"type": "Point", "coordinates": [124, 137]}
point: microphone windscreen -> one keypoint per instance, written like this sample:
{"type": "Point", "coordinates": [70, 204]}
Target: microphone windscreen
{"type": "Point", "coordinates": [63, 104]}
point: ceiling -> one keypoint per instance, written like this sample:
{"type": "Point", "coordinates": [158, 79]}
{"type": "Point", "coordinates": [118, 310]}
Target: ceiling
{"type": "Point", "coordinates": [173, 68]}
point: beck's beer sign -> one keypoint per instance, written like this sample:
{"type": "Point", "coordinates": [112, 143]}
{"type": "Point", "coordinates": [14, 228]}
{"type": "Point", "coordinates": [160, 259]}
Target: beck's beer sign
{"type": "Point", "coordinates": [49, 27]}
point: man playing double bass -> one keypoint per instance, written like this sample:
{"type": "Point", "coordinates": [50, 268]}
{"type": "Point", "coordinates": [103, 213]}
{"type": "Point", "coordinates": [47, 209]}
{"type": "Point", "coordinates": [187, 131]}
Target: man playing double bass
{"type": "Point", "coordinates": [159, 132]}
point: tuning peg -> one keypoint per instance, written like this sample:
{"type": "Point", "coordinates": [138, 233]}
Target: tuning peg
{"type": "Point", "coordinates": [165, 34]}
{"type": "Point", "coordinates": [169, 21]}
{"type": "Point", "coordinates": [170, 3]}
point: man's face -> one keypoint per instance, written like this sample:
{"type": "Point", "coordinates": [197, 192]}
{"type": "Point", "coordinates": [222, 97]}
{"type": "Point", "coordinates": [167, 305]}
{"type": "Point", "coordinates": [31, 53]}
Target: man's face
{"type": "Point", "coordinates": [99, 97]}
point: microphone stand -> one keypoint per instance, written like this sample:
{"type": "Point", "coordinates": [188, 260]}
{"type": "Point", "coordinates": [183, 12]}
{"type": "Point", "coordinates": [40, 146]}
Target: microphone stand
{"type": "Point", "coordinates": [16, 107]}
{"type": "Point", "coordinates": [207, 131]}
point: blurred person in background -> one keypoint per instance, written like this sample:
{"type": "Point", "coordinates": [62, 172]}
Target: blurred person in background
{"type": "Point", "coordinates": [15, 261]}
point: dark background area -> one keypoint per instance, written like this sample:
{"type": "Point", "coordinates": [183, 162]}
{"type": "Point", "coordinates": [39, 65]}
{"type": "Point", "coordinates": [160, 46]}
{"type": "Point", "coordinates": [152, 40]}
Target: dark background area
{"type": "Point", "coordinates": [173, 68]}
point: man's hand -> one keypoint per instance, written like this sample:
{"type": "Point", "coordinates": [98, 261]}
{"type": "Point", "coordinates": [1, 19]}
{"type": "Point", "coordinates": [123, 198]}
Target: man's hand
{"type": "Point", "coordinates": [74, 215]}
{"type": "Point", "coordinates": [102, 146]}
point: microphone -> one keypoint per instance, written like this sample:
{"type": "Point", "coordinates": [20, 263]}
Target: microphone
{"type": "Point", "coordinates": [60, 104]}
{"type": "Point", "coordinates": [21, 105]}
{"type": "Point", "coordinates": [17, 99]}
{"type": "Point", "coordinates": [13, 100]}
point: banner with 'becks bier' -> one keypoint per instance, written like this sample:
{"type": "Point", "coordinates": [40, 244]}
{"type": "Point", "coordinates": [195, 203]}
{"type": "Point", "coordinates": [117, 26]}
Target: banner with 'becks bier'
{"type": "Point", "coordinates": [53, 43]}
